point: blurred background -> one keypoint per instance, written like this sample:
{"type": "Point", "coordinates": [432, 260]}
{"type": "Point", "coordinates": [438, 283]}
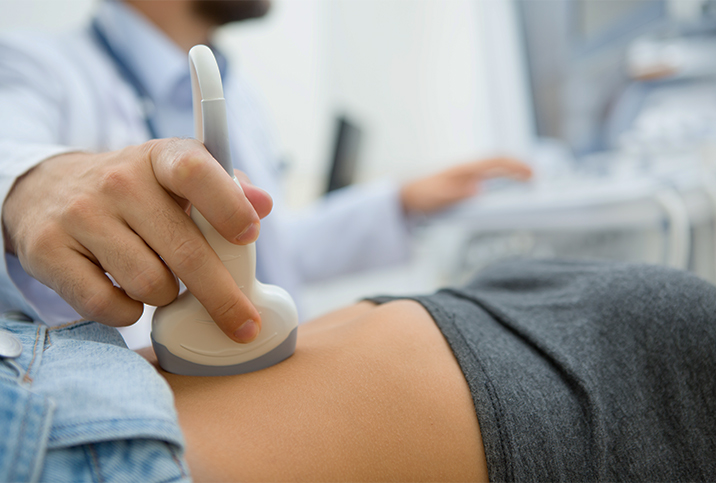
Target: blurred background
{"type": "Point", "coordinates": [613, 102]}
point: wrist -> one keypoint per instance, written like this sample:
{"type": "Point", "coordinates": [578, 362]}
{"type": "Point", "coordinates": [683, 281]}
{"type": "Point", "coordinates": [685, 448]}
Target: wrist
{"type": "Point", "coordinates": [10, 210]}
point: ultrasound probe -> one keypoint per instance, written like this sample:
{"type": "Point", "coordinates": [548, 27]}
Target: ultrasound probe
{"type": "Point", "coordinates": [185, 338]}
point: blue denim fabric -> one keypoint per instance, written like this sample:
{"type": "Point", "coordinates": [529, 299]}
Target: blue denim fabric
{"type": "Point", "coordinates": [78, 406]}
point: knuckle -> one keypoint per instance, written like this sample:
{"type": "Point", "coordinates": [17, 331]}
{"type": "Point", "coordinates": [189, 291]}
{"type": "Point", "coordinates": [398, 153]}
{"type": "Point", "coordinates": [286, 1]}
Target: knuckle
{"type": "Point", "coordinates": [80, 208]}
{"type": "Point", "coordinates": [231, 309]}
{"type": "Point", "coordinates": [189, 256]}
{"type": "Point", "coordinates": [96, 304]}
{"type": "Point", "coordinates": [189, 164]}
{"type": "Point", "coordinates": [149, 283]}
{"type": "Point", "coordinates": [42, 245]}
{"type": "Point", "coordinates": [116, 181]}
{"type": "Point", "coordinates": [238, 218]}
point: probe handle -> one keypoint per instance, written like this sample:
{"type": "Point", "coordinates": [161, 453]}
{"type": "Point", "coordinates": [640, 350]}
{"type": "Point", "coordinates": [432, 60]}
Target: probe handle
{"type": "Point", "coordinates": [210, 126]}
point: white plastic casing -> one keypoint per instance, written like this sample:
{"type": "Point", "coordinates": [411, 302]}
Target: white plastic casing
{"type": "Point", "coordinates": [186, 339]}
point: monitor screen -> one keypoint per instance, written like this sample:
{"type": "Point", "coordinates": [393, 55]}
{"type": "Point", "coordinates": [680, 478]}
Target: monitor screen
{"type": "Point", "coordinates": [344, 161]}
{"type": "Point", "coordinates": [575, 53]}
{"type": "Point", "coordinates": [596, 24]}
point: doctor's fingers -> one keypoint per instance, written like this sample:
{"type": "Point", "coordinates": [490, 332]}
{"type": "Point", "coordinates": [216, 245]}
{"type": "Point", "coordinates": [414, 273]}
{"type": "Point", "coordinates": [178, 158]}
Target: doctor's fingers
{"type": "Point", "coordinates": [164, 226]}
{"type": "Point", "coordinates": [259, 199]}
{"type": "Point", "coordinates": [84, 285]}
{"type": "Point", "coordinates": [493, 168]}
{"type": "Point", "coordinates": [187, 171]}
{"type": "Point", "coordinates": [134, 266]}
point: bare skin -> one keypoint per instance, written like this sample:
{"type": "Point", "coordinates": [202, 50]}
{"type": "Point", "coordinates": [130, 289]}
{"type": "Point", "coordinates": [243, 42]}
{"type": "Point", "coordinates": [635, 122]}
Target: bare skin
{"type": "Point", "coordinates": [371, 394]}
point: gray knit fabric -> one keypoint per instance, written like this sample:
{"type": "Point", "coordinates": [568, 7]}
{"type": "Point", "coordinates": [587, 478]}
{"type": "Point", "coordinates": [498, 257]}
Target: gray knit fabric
{"type": "Point", "coordinates": [587, 371]}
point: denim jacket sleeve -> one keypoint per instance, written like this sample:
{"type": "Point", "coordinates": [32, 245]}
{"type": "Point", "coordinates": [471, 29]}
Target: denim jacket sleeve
{"type": "Point", "coordinates": [77, 405]}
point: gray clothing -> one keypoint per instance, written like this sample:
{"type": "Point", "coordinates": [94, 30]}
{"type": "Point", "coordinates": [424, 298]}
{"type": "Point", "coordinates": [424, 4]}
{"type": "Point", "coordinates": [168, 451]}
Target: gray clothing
{"type": "Point", "coordinates": [584, 371]}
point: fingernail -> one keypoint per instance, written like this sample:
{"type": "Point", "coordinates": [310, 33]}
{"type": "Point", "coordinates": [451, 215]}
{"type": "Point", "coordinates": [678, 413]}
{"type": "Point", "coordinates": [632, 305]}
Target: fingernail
{"type": "Point", "coordinates": [250, 234]}
{"type": "Point", "coordinates": [247, 332]}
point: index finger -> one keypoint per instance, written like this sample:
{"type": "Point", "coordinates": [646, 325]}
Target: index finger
{"type": "Point", "coordinates": [180, 243]}
{"type": "Point", "coordinates": [186, 170]}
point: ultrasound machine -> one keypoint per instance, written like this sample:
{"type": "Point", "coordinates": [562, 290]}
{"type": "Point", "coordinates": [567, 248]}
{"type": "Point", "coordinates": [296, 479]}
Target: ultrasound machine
{"type": "Point", "coordinates": [624, 102]}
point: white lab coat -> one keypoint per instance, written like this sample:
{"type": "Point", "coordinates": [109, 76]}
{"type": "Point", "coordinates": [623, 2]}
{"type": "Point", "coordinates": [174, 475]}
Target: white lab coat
{"type": "Point", "coordinates": [62, 93]}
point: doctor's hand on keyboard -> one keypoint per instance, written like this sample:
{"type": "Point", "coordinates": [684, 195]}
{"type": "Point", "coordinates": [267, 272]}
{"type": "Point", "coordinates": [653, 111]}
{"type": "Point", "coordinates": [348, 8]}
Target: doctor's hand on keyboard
{"type": "Point", "coordinates": [441, 190]}
{"type": "Point", "coordinates": [76, 217]}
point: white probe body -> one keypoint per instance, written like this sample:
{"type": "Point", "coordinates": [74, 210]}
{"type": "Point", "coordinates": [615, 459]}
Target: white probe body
{"type": "Point", "coordinates": [185, 338]}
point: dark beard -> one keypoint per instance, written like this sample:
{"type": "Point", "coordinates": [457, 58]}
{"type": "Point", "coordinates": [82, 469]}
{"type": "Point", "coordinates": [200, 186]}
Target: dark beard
{"type": "Point", "coordinates": [220, 12]}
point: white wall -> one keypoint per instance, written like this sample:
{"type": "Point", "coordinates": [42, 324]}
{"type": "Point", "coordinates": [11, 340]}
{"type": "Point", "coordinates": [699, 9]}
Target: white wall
{"type": "Point", "coordinates": [284, 56]}
{"type": "Point", "coordinates": [424, 78]}
{"type": "Point", "coordinates": [410, 72]}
